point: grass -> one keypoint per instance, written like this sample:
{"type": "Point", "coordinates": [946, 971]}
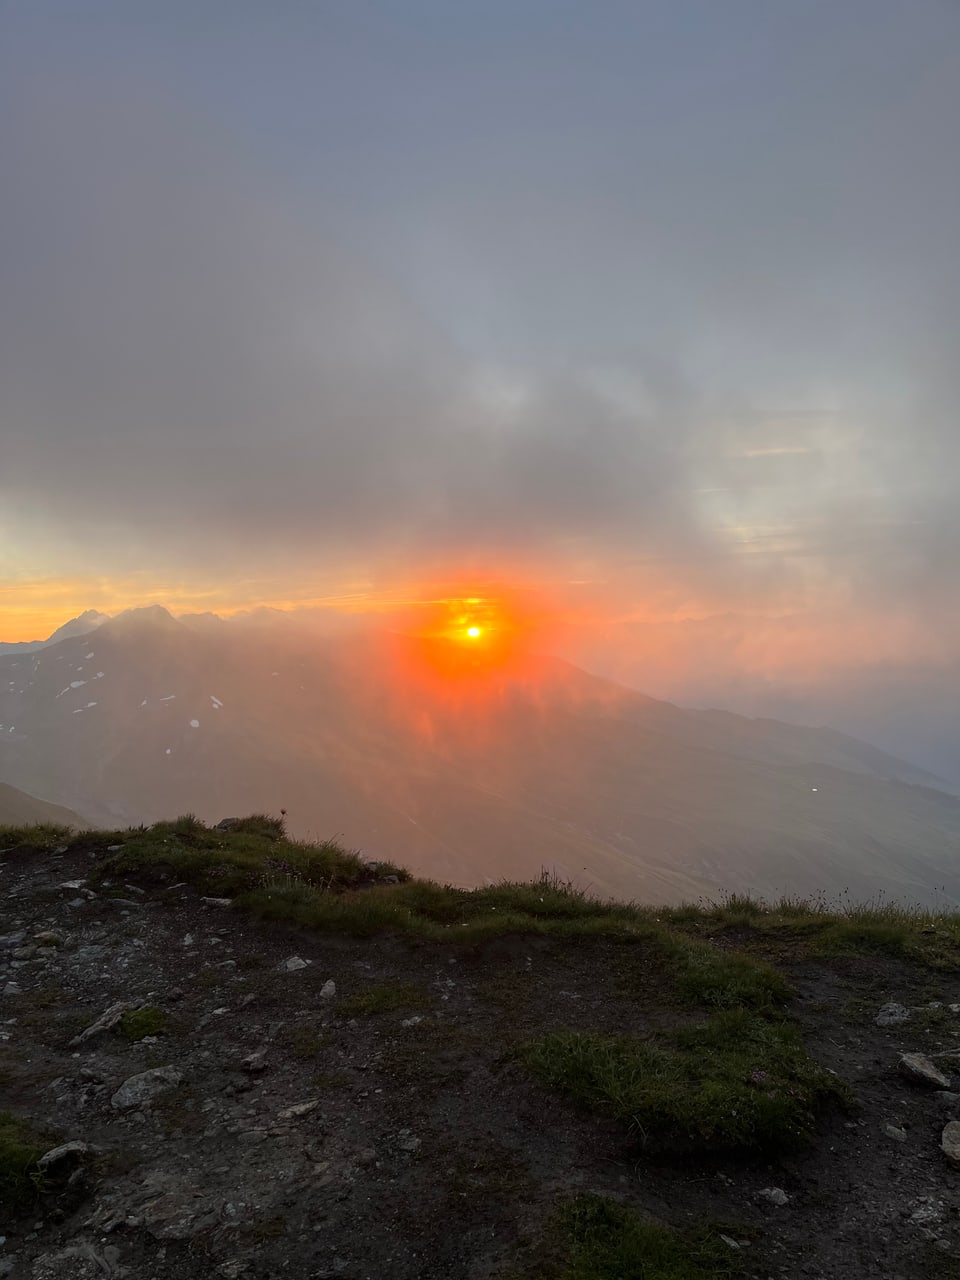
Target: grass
{"type": "Point", "coordinates": [594, 1238]}
{"type": "Point", "coordinates": [922, 935]}
{"type": "Point", "coordinates": [137, 1024]}
{"type": "Point", "coordinates": [42, 837]}
{"type": "Point", "coordinates": [20, 1149]}
{"type": "Point", "coordinates": [255, 855]}
{"type": "Point", "coordinates": [735, 1081]}
{"type": "Point", "coordinates": [382, 998]}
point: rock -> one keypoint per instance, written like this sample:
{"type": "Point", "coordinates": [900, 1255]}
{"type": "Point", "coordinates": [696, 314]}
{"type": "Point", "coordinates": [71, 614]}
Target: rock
{"type": "Point", "coordinates": [950, 1143]}
{"type": "Point", "coordinates": [233, 1268]}
{"type": "Point", "coordinates": [226, 824]}
{"type": "Point", "coordinates": [79, 1262]}
{"type": "Point", "coordinates": [897, 1134]}
{"type": "Point", "coordinates": [918, 1069]}
{"type": "Point", "coordinates": [892, 1014]}
{"type": "Point", "coordinates": [47, 938]}
{"type": "Point", "coordinates": [412, 1022]}
{"type": "Point", "coordinates": [72, 1152]}
{"type": "Point", "coordinates": [776, 1195]}
{"type": "Point", "coordinates": [106, 1022]}
{"type": "Point", "coordinates": [72, 885]}
{"type": "Point", "coordinates": [391, 879]}
{"type": "Point", "coordinates": [407, 1141]}
{"type": "Point", "coordinates": [328, 990]}
{"type": "Point", "coordinates": [146, 1086]}
{"type": "Point", "coordinates": [254, 1063]}
{"type": "Point", "coordinates": [114, 848]}
{"type": "Point", "coordinates": [23, 953]}
{"type": "Point", "coordinates": [946, 1098]}
{"type": "Point", "coordinates": [298, 1109]}
{"type": "Point", "coordinates": [13, 989]}
{"type": "Point", "coordinates": [12, 939]}
{"type": "Point", "coordinates": [292, 964]}
{"type": "Point", "coordinates": [217, 902]}
{"type": "Point", "coordinates": [188, 940]}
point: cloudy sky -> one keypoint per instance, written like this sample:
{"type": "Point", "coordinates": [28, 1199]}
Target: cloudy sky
{"type": "Point", "coordinates": [650, 309]}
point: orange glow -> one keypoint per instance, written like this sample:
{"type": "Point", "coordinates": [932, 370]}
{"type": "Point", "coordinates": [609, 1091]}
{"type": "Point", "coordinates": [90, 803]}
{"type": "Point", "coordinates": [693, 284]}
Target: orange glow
{"type": "Point", "coordinates": [473, 633]}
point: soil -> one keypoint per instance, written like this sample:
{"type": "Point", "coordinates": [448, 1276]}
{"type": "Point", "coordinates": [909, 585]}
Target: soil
{"type": "Point", "coordinates": [429, 1155]}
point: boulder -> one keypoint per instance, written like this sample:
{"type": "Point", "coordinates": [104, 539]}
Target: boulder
{"type": "Point", "coordinates": [918, 1069]}
{"type": "Point", "coordinates": [142, 1088]}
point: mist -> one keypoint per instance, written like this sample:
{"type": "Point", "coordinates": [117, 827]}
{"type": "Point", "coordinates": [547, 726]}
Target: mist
{"type": "Point", "coordinates": [647, 314]}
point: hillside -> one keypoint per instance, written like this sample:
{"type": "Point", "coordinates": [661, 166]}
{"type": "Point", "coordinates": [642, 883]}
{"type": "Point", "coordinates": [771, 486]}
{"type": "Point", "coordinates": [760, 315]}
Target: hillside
{"type": "Point", "coordinates": [228, 1055]}
{"type": "Point", "coordinates": [466, 772]}
{"type": "Point", "coordinates": [17, 809]}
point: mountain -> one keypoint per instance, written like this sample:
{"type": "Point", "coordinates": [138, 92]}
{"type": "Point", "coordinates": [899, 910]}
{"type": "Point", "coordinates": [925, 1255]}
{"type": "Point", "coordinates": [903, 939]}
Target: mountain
{"type": "Point", "coordinates": [87, 622]}
{"type": "Point", "coordinates": [465, 769]}
{"type": "Point", "coordinates": [17, 809]}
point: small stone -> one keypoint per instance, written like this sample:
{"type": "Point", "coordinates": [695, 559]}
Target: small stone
{"type": "Point", "coordinates": [114, 848]}
{"type": "Point", "coordinates": [74, 1152]}
{"type": "Point", "coordinates": [254, 1063]}
{"type": "Point", "coordinates": [13, 989]}
{"type": "Point", "coordinates": [950, 1143]}
{"type": "Point", "coordinates": [892, 1014]}
{"type": "Point", "coordinates": [23, 953]}
{"type": "Point", "coordinates": [146, 1086]}
{"type": "Point", "coordinates": [407, 1141]}
{"type": "Point", "coordinates": [729, 1242]}
{"type": "Point", "coordinates": [47, 938]}
{"type": "Point", "coordinates": [298, 1109]}
{"type": "Point", "coordinates": [217, 902]}
{"type": "Point", "coordinates": [894, 1132]}
{"type": "Point", "coordinates": [776, 1195]}
{"type": "Point", "coordinates": [188, 940]}
{"type": "Point", "coordinates": [106, 1022]}
{"type": "Point", "coordinates": [918, 1069]}
{"type": "Point", "coordinates": [328, 990]}
{"type": "Point", "coordinates": [293, 964]}
{"type": "Point", "coordinates": [391, 879]}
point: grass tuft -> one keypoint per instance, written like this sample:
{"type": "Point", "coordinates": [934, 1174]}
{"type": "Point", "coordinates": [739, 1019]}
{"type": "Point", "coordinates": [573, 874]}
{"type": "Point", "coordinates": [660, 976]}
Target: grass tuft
{"type": "Point", "coordinates": [41, 836]}
{"type": "Point", "coordinates": [20, 1149]}
{"type": "Point", "coordinates": [137, 1024]}
{"type": "Point", "coordinates": [382, 998]}
{"type": "Point", "coordinates": [596, 1238]}
{"type": "Point", "coordinates": [736, 1081]}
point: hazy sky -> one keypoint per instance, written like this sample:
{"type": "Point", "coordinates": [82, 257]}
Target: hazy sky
{"type": "Point", "coordinates": [653, 305]}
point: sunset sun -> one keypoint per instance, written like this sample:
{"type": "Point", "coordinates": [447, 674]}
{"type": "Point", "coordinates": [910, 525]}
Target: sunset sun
{"type": "Point", "coordinates": [473, 633]}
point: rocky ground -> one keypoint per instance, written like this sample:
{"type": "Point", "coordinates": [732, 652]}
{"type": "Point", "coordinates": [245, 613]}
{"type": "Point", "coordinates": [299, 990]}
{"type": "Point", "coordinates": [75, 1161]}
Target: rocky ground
{"type": "Point", "coordinates": [305, 1104]}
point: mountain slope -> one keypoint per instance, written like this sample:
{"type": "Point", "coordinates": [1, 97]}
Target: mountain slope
{"type": "Point", "coordinates": [85, 623]}
{"type": "Point", "coordinates": [18, 809]}
{"type": "Point", "coordinates": [464, 771]}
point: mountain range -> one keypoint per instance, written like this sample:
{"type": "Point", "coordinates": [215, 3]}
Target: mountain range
{"type": "Point", "coordinates": [464, 769]}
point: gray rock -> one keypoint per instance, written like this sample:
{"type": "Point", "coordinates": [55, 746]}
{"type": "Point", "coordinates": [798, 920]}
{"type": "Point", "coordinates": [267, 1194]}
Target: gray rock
{"type": "Point", "coordinates": [407, 1141]}
{"type": "Point", "coordinates": [946, 1098]}
{"type": "Point", "coordinates": [23, 953]}
{"type": "Point", "coordinates": [892, 1014]}
{"type": "Point", "coordinates": [328, 990]}
{"type": "Point", "coordinates": [13, 989]}
{"type": "Point", "coordinates": [918, 1069]}
{"type": "Point", "coordinates": [254, 1063]}
{"type": "Point", "coordinates": [776, 1195]}
{"type": "Point", "coordinates": [299, 1109]}
{"type": "Point", "coordinates": [950, 1143]}
{"type": "Point", "coordinates": [72, 1152]}
{"type": "Point", "coordinates": [47, 938]}
{"type": "Point", "coordinates": [12, 939]}
{"type": "Point", "coordinates": [292, 964]}
{"type": "Point", "coordinates": [894, 1132]}
{"type": "Point", "coordinates": [217, 902]}
{"type": "Point", "coordinates": [146, 1086]}
{"type": "Point", "coordinates": [226, 824]}
{"type": "Point", "coordinates": [106, 1022]}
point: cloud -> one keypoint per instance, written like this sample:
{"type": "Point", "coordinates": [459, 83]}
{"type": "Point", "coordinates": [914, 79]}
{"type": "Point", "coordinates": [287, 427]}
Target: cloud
{"type": "Point", "coordinates": [700, 345]}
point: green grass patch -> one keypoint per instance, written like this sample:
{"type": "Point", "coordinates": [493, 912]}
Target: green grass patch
{"type": "Point", "coordinates": [595, 1238]}
{"type": "Point", "coordinates": [255, 856]}
{"type": "Point", "coordinates": [735, 1081]}
{"type": "Point", "coordinates": [926, 936]}
{"type": "Point", "coordinates": [20, 1149]}
{"type": "Point", "coordinates": [382, 998]}
{"type": "Point", "coordinates": [42, 836]}
{"type": "Point", "coordinates": [137, 1024]}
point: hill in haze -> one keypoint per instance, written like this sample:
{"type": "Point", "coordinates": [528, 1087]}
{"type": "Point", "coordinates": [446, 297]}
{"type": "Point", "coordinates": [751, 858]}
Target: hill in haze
{"type": "Point", "coordinates": [19, 809]}
{"type": "Point", "coordinates": [464, 770]}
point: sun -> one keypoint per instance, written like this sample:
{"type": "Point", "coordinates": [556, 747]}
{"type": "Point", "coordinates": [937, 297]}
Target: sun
{"type": "Point", "coordinates": [473, 633]}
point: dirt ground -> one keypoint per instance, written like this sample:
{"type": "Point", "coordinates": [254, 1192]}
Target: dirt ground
{"type": "Point", "coordinates": [416, 1148]}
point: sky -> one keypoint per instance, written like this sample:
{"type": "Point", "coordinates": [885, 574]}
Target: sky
{"type": "Point", "coordinates": [646, 312]}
